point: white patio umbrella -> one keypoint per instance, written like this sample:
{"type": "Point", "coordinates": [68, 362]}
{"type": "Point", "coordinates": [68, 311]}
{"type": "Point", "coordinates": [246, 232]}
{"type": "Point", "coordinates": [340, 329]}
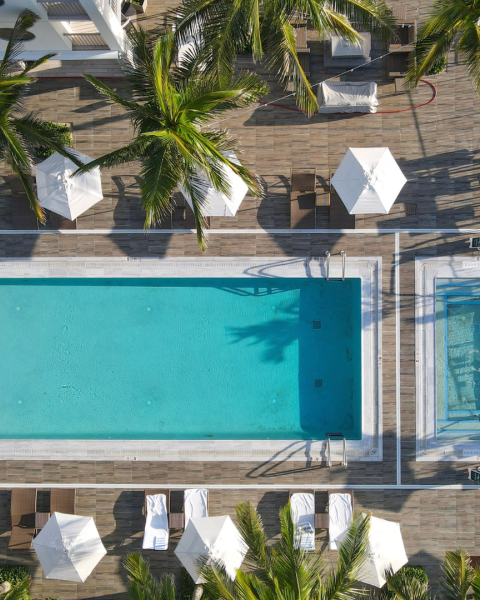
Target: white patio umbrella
{"type": "Point", "coordinates": [69, 547]}
{"type": "Point", "coordinates": [386, 550]}
{"type": "Point", "coordinates": [217, 203]}
{"type": "Point", "coordinates": [368, 180]}
{"type": "Point", "coordinates": [214, 537]}
{"type": "Point", "coordinates": [65, 195]}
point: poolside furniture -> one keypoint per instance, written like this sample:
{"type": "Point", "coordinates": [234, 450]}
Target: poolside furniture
{"type": "Point", "coordinates": [303, 198]}
{"type": "Point", "coordinates": [211, 536]}
{"type": "Point", "coordinates": [347, 97]}
{"type": "Point", "coordinates": [339, 218]}
{"type": "Point", "coordinates": [63, 501]}
{"type": "Point", "coordinates": [63, 194]}
{"type": "Point", "coordinates": [386, 549]}
{"type": "Point", "coordinates": [302, 507]}
{"type": "Point", "coordinates": [404, 40]}
{"type": "Point", "coordinates": [368, 180]}
{"type": "Point", "coordinates": [340, 515]}
{"type": "Point", "coordinates": [157, 509]}
{"type": "Point", "coordinates": [69, 547]}
{"type": "Point", "coordinates": [195, 504]}
{"type": "Point", "coordinates": [218, 204]}
{"type": "Point", "coordinates": [342, 53]}
{"type": "Point", "coordinates": [22, 215]}
{"type": "Point", "coordinates": [41, 519]}
{"type": "Point", "coordinates": [22, 510]}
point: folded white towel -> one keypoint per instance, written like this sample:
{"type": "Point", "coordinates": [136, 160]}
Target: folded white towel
{"type": "Point", "coordinates": [160, 542]}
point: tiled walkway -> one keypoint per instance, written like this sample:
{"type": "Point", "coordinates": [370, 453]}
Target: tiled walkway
{"type": "Point", "coordinates": [437, 147]}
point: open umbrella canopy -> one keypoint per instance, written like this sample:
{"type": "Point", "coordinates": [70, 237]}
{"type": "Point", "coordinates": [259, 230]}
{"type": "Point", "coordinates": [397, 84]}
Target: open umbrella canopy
{"type": "Point", "coordinates": [386, 550]}
{"type": "Point", "coordinates": [218, 204]}
{"type": "Point", "coordinates": [368, 180]}
{"type": "Point", "coordinates": [216, 538]}
{"type": "Point", "coordinates": [65, 195]}
{"type": "Point", "coordinates": [69, 547]}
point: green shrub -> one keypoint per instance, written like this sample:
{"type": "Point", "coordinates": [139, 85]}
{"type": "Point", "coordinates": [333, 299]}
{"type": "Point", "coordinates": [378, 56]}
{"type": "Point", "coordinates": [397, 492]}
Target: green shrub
{"type": "Point", "coordinates": [187, 585]}
{"type": "Point", "coordinates": [409, 572]}
{"type": "Point", "coordinates": [63, 137]}
{"type": "Point", "coordinates": [13, 573]}
{"type": "Point", "coordinates": [439, 66]}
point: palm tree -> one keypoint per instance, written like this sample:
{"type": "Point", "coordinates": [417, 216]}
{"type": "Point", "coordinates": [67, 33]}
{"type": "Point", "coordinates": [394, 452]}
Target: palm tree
{"type": "Point", "coordinates": [267, 27]}
{"type": "Point", "coordinates": [449, 22]}
{"type": "Point", "coordinates": [21, 132]}
{"type": "Point", "coordinates": [142, 585]}
{"type": "Point", "coordinates": [18, 591]}
{"type": "Point", "coordinates": [282, 571]}
{"type": "Point", "coordinates": [170, 107]}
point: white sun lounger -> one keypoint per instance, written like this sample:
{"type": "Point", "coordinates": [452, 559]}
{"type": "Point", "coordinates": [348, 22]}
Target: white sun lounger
{"type": "Point", "coordinates": [156, 525]}
{"type": "Point", "coordinates": [340, 511]}
{"type": "Point", "coordinates": [302, 507]}
{"type": "Point", "coordinates": [195, 503]}
{"type": "Point", "coordinates": [347, 97]}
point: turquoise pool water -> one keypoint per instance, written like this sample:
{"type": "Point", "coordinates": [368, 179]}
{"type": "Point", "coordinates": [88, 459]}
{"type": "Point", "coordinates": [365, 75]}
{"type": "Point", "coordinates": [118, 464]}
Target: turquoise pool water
{"type": "Point", "coordinates": [457, 339]}
{"type": "Point", "coordinates": [180, 358]}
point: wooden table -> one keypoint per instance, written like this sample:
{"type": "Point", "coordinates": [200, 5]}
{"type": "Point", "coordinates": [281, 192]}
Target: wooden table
{"type": "Point", "coordinates": [321, 521]}
{"type": "Point", "coordinates": [41, 519]}
{"type": "Point", "coordinates": [176, 520]}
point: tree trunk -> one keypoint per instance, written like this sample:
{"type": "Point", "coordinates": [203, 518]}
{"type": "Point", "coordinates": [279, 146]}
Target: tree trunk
{"type": "Point", "coordinates": [197, 592]}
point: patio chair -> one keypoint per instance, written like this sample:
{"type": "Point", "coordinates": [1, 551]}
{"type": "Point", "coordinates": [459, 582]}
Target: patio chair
{"type": "Point", "coordinates": [302, 507]}
{"type": "Point", "coordinates": [59, 222]}
{"type": "Point", "coordinates": [157, 511]}
{"type": "Point", "coordinates": [302, 199]}
{"type": "Point", "coordinates": [195, 504]}
{"type": "Point", "coordinates": [397, 60]}
{"type": "Point", "coordinates": [339, 217]}
{"type": "Point", "coordinates": [22, 215]}
{"type": "Point", "coordinates": [22, 510]}
{"type": "Point", "coordinates": [63, 501]}
{"type": "Point", "coordinates": [341, 506]}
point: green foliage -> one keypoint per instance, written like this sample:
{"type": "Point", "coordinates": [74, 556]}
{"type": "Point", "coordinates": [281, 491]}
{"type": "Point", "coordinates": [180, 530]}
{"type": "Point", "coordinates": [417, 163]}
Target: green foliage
{"type": "Point", "coordinates": [407, 573]}
{"type": "Point", "coordinates": [62, 136]}
{"type": "Point", "coordinates": [13, 573]}
{"type": "Point", "coordinates": [187, 585]}
{"type": "Point", "coordinates": [439, 66]}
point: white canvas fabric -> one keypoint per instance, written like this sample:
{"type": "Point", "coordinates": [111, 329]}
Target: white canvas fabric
{"type": "Point", "coordinates": [368, 180]}
{"type": "Point", "coordinates": [65, 195]}
{"type": "Point", "coordinates": [347, 97]}
{"type": "Point", "coordinates": [156, 532]}
{"type": "Point", "coordinates": [302, 508]}
{"type": "Point", "coordinates": [216, 538]}
{"type": "Point", "coordinates": [69, 547]}
{"type": "Point", "coordinates": [218, 204]}
{"type": "Point", "coordinates": [386, 549]}
{"type": "Point", "coordinates": [340, 516]}
{"type": "Point", "coordinates": [195, 504]}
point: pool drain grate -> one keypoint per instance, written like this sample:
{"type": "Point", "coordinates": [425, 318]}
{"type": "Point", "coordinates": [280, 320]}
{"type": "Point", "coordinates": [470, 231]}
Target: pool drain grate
{"type": "Point", "coordinates": [318, 383]}
{"type": "Point", "coordinates": [316, 324]}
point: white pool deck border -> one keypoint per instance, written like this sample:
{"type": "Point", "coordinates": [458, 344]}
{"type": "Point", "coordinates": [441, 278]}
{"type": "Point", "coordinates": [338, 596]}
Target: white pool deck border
{"type": "Point", "coordinates": [428, 447]}
{"type": "Point", "coordinates": [369, 448]}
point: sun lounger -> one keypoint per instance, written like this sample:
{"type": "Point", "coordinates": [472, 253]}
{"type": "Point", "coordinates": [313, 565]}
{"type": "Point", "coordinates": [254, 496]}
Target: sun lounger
{"type": "Point", "coordinates": [22, 215]}
{"type": "Point", "coordinates": [63, 501]}
{"type": "Point", "coordinates": [347, 97]}
{"type": "Point", "coordinates": [157, 507]}
{"type": "Point", "coordinates": [340, 513]}
{"type": "Point", "coordinates": [302, 507]}
{"type": "Point", "coordinates": [339, 217]}
{"type": "Point", "coordinates": [23, 509]}
{"type": "Point", "coordinates": [195, 504]}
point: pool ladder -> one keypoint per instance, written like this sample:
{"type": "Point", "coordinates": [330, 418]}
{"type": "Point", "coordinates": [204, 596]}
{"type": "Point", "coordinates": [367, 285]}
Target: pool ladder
{"type": "Point", "coordinates": [336, 437]}
{"type": "Point", "coordinates": [344, 264]}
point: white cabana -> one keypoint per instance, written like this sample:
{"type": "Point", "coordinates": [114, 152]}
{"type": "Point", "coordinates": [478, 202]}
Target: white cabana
{"type": "Point", "coordinates": [386, 550]}
{"type": "Point", "coordinates": [65, 195]}
{"type": "Point", "coordinates": [214, 537]}
{"type": "Point", "coordinates": [69, 547]}
{"type": "Point", "coordinates": [218, 204]}
{"type": "Point", "coordinates": [368, 180]}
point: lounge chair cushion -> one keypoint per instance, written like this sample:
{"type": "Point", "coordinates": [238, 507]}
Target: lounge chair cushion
{"type": "Point", "coordinates": [340, 516]}
{"type": "Point", "coordinates": [302, 507]}
{"type": "Point", "coordinates": [196, 504]}
{"type": "Point", "coordinates": [156, 525]}
{"type": "Point", "coordinates": [347, 97]}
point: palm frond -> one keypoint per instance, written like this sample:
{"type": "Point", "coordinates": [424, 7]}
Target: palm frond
{"type": "Point", "coordinates": [406, 588]}
{"type": "Point", "coordinates": [141, 583]}
{"type": "Point", "coordinates": [251, 527]}
{"type": "Point", "coordinates": [19, 591]}
{"type": "Point", "coordinates": [457, 575]}
{"type": "Point", "coordinates": [25, 20]}
{"type": "Point", "coordinates": [127, 153]}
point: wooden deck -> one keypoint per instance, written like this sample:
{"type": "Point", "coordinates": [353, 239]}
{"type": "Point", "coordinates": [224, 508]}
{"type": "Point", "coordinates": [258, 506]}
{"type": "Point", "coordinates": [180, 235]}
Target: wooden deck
{"type": "Point", "coordinates": [437, 147]}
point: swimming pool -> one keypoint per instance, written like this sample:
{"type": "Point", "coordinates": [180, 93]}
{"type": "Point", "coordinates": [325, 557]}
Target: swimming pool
{"type": "Point", "coordinates": [457, 349]}
{"type": "Point", "coordinates": [173, 358]}
{"type": "Point", "coordinates": [268, 290]}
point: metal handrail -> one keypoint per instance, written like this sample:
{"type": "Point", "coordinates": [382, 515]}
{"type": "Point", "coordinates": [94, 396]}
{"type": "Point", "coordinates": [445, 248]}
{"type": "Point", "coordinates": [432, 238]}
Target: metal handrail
{"type": "Point", "coordinates": [327, 254]}
{"type": "Point", "coordinates": [344, 263]}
